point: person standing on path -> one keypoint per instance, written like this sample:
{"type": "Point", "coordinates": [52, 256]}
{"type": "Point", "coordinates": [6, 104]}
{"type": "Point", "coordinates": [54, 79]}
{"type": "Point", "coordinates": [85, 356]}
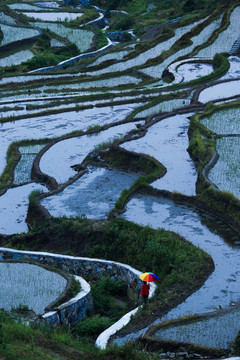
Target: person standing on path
{"type": "Point", "coordinates": [145, 291]}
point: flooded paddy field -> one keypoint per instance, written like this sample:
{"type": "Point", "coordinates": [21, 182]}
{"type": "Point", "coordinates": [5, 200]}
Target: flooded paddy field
{"type": "Point", "coordinates": [206, 332]}
{"type": "Point", "coordinates": [162, 140]}
{"type": "Point", "coordinates": [52, 126]}
{"type": "Point", "coordinates": [14, 207]}
{"type": "Point", "coordinates": [215, 92]}
{"type": "Point", "coordinates": [22, 172]}
{"type": "Point", "coordinates": [226, 172]}
{"type": "Point", "coordinates": [93, 195]}
{"type": "Point", "coordinates": [155, 127]}
{"type": "Point", "coordinates": [29, 285]}
{"type": "Point", "coordinates": [17, 58]}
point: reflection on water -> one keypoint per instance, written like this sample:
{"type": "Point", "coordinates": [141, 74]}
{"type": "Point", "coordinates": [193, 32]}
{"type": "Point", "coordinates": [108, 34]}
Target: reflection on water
{"type": "Point", "coordinates": [14, 207]}
{"type": "Point", "coordinates": [167, 141]}
{"type": "Point", "coordinates": [57, 161]}
{"type": "Point", "coordinates": [93, 195]}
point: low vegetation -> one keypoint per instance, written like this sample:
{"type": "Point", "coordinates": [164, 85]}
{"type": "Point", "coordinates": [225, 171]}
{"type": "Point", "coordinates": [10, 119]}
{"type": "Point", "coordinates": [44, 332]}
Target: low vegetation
{"type": "Point", "coordinates": [19, 341]}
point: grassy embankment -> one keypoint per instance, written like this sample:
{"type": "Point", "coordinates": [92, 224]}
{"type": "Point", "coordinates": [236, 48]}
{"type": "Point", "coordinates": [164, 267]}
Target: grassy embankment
{"type": "Point", "coordinates": [21, 342]}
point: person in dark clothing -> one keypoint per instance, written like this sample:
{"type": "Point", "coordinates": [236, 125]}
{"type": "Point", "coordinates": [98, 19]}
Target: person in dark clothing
{"type": "Point", "coordinates": [145, 291]}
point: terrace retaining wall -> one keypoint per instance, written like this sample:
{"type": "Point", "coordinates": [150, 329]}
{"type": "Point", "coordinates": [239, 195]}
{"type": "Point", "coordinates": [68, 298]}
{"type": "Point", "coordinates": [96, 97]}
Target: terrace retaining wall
{"type": "Point", "coordinates": [76, 309]}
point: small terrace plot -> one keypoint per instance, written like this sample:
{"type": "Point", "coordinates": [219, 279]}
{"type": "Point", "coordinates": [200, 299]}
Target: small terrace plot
{"type": "Point", "coordinates": [193, 71]}
{"type": "Point", "coordinates": [23, 169]}
{"type": "Point", "coordinates": [227, 89]}
{"type": "Point", "coordinates": [120, 80]}
{"type": "Point", "coordinates": [12, 33]}
{"type": "Point", "coordinates": [164, 106]}
{"type": "Point", "coordinates": [29, 285]}
{"type": "Point", "coordinates": [224, 121]}
{"type": "Point", "coordinates": [48, 4]}
{"type": "Point", "coordinates": [6, 18]}
{"type": "Point", "coordinates": [113, 55]}
{"type": "Point", "coordinates": [53, 16]}
{"type": "Point", "coordinates": [17, 58]}
{"type": "Point", "coordinates": [234, 70]}
{"type": "Point", "coordinates": [93, 195]}
{"type": "Point", "coordinates": [226, 172]}
{"type": "Point", "coordinates": [207, 331]}
{"type": "Point", "coordinates": [81, 38]}
{"type": "Point", "coordinates": [14, 207]}
{"type": "Point", "coordinates": [24, 6]}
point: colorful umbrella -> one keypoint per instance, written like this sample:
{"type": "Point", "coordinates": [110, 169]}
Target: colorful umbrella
{"type": "Point", "coordinates": [148, 277]}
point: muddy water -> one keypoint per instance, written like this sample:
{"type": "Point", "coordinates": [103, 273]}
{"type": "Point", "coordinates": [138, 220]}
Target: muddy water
{"type": "Point", "coordinates": [211, 235]}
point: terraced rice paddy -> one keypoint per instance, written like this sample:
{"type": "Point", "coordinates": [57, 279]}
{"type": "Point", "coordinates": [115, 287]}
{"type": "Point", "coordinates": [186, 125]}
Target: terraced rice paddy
{"type": "Point", "coordinates": [11, 33]}
{"type": "Point", "coordinates": [226, 172]}
{"type": "Point", "coordinates": [222, 42]}
{"type": "Point", "coordinates": [81, 38]}
{"type": "Point", "coordinates": [93, 195]}
{"type": "Point", "coordinates": [73, 151]}
{"type": "Point", "coordinates": [17, 58]}
{"type": "Point", "coordinates": [224, 122]}
{"type": "Point", "coordinates": [81, 111]}
{"type": "Point", "coordinates": [52, 16]}
{"type": "Point", "coordinates": [29, 285]}
{"type": "Point", "coordinates": [23, 169]}
{"type": "Point", "coordinates": [207, 331]}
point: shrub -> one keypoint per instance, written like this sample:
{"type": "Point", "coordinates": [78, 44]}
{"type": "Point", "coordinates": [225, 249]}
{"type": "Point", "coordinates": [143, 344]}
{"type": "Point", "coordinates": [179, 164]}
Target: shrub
{"type": "Point", "coordinates": [197, 145]}
{"type": "Point", "coordinates": [92, 326]}
{"type": "Point", "coordinates": [33, 196]}
{"type": "Point", "coordinates": [102, 292]}
{"type": "Point", "coordinates": [217, 61]}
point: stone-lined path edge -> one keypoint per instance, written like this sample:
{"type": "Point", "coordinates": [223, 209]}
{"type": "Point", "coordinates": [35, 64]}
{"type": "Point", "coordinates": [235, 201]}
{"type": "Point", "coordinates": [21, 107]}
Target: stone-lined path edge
{"type": "Point", "coordinates": [97, 266]}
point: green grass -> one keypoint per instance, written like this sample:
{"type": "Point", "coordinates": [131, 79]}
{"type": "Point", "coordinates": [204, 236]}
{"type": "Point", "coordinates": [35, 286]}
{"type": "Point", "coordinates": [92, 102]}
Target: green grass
{"type": "Point", "coordinates": [21, 342]}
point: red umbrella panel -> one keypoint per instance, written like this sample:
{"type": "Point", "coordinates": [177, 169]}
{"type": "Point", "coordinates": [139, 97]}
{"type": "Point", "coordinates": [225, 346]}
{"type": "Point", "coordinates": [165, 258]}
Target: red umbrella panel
{"type": "Point", "coordinates": [148, 277]}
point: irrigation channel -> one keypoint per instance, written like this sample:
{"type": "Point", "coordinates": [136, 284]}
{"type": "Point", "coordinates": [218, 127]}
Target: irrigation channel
{"type": "Point", "coordinates": [74, 113]}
